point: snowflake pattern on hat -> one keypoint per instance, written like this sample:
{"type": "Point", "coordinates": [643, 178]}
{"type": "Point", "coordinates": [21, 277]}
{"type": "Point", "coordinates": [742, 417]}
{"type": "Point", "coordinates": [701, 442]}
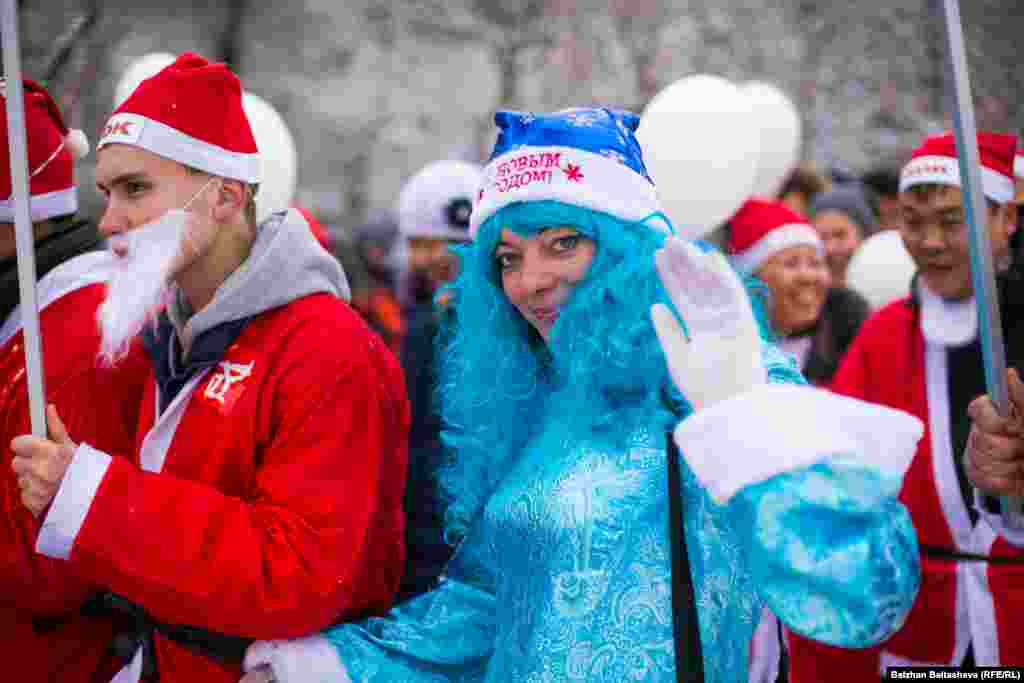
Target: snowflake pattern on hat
{"type": "Point", "coordinates": [586, 157]}
{"type": "Point", "coordinates": [608, 132]}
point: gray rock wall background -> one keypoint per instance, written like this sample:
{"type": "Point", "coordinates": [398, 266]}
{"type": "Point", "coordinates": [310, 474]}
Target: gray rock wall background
{"type": "Point", "coordinates": [373, 89]}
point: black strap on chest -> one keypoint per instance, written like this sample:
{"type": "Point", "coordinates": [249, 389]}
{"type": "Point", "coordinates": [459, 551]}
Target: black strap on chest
{"type": "Point", "coordinates": [216, 646]}
{"type": "Point", "coordinates": [685, 627]}
{"type": "Point", "coordinates": [950, 555]}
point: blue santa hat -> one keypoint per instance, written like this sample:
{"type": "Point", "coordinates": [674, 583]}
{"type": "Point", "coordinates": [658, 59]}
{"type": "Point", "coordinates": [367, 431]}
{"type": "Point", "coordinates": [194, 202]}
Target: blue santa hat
{"type": "Point", "coordinates": [583, 157]}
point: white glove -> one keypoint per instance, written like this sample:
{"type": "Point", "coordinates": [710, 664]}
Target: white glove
{"type": "Point", "coordinates": [722, 357]}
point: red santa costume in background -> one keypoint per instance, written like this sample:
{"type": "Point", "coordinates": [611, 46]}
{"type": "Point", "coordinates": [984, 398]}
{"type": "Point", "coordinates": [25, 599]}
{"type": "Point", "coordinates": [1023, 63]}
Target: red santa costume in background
{"type": "Point", "coordinates": [921, 354]}
{"type": "Point", "coordinates": [40, 598]}
{"type": "Point", "coordinates": [263, 496]}
{"type": "Point", "coordinates": [759, 230]}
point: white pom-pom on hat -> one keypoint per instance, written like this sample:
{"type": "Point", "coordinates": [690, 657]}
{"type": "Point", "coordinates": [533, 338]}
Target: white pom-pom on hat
{"type": "Point", "coordinates": [78, 143]}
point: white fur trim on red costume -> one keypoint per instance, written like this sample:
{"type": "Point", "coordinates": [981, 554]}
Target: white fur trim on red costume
{"type": "Point", "coordinates": [564, 174]}
{"type": "Point", "coordinates": [81, 271]}
{"type": "Point", "coordinates": [43, 206]}
{"type": "Point", "coordinates": [946, 171]}
{"type": "Point", "coordinates": [1018, 166]}
{"type": "Point", "coordinates": [158, 439]}
{"type": "Point", "coordinates": [947, 323]}
{"type": "Point", "coordinates": [161, 139]}
{"type": "Point", "coordinates": [782, 237]}
{"type": "Point", "coordinates": [71, 504]}
{"type": "Point", "coordinates": [772, 442]}
{"type": "Point", "coordinates": [981, 606]}
{"type": "Point", "coordinates": [996, 523]}
{"type": "Point", "coordinates": [303, 660]}
{"type": "Point", "coordinates": [947, 484]}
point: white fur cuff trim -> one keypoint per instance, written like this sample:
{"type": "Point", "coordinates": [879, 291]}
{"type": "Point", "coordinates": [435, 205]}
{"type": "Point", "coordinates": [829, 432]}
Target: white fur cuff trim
{"type": "Point", "coordinates": [775, 428]}
{"type": "Point", "coordinates": [71, 504]}
{"type": "Point", "coordinates": [782, 237]}
{"type": "Point", "coordinates": [43, 206]}
{"type": "Point", "coordinates": [303, 660]}
{"type": "Point", "coordinates": [1018, 166]}
{"type": "Point", "coordinates": [564, 174]}
{"type": "Point", "coordinates": [946, 171]}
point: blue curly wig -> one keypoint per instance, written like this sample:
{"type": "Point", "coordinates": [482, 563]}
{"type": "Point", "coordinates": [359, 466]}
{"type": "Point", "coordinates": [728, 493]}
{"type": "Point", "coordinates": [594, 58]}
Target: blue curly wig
{"type": "Point", "coordinates": [602, 365]}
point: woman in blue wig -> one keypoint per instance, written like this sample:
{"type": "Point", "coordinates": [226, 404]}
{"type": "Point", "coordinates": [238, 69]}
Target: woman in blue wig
{"type": "Point", "coordinates": [582, 335]}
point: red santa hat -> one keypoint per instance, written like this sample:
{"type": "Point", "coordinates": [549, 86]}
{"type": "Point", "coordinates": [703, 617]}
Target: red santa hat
{"type": "Point", "coordinates": [190, 112]}
{"type": "Point", "coordinates": [763, 228]}
{"type": "Point", "coordinates": [52, 150]}
{"type": "Point", "coordinates": [936, 162]}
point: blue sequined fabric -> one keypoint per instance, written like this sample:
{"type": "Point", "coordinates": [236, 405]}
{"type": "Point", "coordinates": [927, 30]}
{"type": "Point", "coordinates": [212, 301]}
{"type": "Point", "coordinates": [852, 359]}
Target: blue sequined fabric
{"type": "Point", "coordinates": [566, 575]}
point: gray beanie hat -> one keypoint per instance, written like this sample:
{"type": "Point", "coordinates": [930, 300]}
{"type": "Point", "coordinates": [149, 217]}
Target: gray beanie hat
{"type": "Point", "coordinates": [850, 200]}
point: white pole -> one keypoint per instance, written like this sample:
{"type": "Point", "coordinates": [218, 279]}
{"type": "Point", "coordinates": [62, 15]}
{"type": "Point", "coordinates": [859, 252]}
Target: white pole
{"type": "Point", "coordinates": [990, 328]}
{"type": "Point", "coordinates": [16, 140]}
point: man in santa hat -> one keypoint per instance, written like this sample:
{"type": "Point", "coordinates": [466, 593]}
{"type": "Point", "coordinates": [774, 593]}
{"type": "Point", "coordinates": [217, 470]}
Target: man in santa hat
{"type": "Point", "coordinates": [263, 496]}
{"type": "Point", "coordinates": [40, 597]}
{"type": "Point", "coordinates": [922, 354]}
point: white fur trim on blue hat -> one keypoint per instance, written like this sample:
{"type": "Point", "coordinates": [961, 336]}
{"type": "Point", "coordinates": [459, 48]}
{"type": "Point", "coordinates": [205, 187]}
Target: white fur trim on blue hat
{"type": "Point", "coordinates": [563, 174]}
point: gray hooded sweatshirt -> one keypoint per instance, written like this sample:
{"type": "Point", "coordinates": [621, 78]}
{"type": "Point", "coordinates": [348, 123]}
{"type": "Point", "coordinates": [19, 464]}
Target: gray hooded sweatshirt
{"type": "Point", "coordinates": [286, 263]}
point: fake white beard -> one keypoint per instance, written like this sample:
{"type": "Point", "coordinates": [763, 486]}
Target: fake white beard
{"type": "Point", "coordinates": [140, 284]}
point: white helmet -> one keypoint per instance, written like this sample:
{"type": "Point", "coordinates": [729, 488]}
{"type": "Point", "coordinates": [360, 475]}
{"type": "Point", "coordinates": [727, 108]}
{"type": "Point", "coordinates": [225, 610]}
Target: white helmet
{"type": "Point", "coordinates": [438, 200]}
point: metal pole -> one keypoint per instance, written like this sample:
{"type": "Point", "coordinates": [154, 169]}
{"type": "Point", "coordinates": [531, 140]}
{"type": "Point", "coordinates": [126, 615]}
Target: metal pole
{"type": "Point", "coordinates": [990, 327]}
{"type": "Point", "coordinates": [16, 140]}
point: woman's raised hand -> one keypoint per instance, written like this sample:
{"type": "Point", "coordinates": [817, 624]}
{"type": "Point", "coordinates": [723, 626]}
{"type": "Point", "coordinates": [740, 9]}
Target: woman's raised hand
{"type": "Point", "coordinates": [719, 356]}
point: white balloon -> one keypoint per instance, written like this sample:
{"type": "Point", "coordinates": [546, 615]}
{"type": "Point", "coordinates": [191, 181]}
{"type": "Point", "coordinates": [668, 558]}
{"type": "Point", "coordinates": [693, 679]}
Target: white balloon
{"type": "Point", "coordinates": [138, 71]}
{"type": "Point", "coordinates": [880, 269]}
{"type": "Point", "coordinates": [780, 126]}
{"type": "Point", "coordinates": [279, 157]}
{"type": "Point", "coordinates": [701, 150]}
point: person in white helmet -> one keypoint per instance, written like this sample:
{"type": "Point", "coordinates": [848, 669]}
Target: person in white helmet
{"type": "Point", "coordinates": [434, 210]}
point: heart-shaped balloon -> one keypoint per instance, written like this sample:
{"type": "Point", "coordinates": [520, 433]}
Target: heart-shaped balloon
{"type": "Point", "coordinates": [700, 147]}
{"type": "Point", "coordinates": [780, 139]}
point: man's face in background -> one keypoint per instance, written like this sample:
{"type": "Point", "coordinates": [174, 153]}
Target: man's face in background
{"type": "Point", "coordinates": [430, 258]}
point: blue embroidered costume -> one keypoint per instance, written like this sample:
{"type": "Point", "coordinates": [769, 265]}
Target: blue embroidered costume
{"type": "Point", "coordinates": [558, 476]}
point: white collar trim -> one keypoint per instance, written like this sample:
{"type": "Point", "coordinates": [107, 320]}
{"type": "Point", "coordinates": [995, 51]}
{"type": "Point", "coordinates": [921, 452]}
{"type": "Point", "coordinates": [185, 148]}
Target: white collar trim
{"type": "Point", "coordinates": [947, 323]}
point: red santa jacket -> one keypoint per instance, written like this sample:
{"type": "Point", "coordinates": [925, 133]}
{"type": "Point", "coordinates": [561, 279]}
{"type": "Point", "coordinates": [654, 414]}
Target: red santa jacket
{"type": "Point", "coordinates": [959, 602]}
{"type": "Point", "coordinates": [44, 637]}
{"type": "Point", "coordinates": [264, 501]}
